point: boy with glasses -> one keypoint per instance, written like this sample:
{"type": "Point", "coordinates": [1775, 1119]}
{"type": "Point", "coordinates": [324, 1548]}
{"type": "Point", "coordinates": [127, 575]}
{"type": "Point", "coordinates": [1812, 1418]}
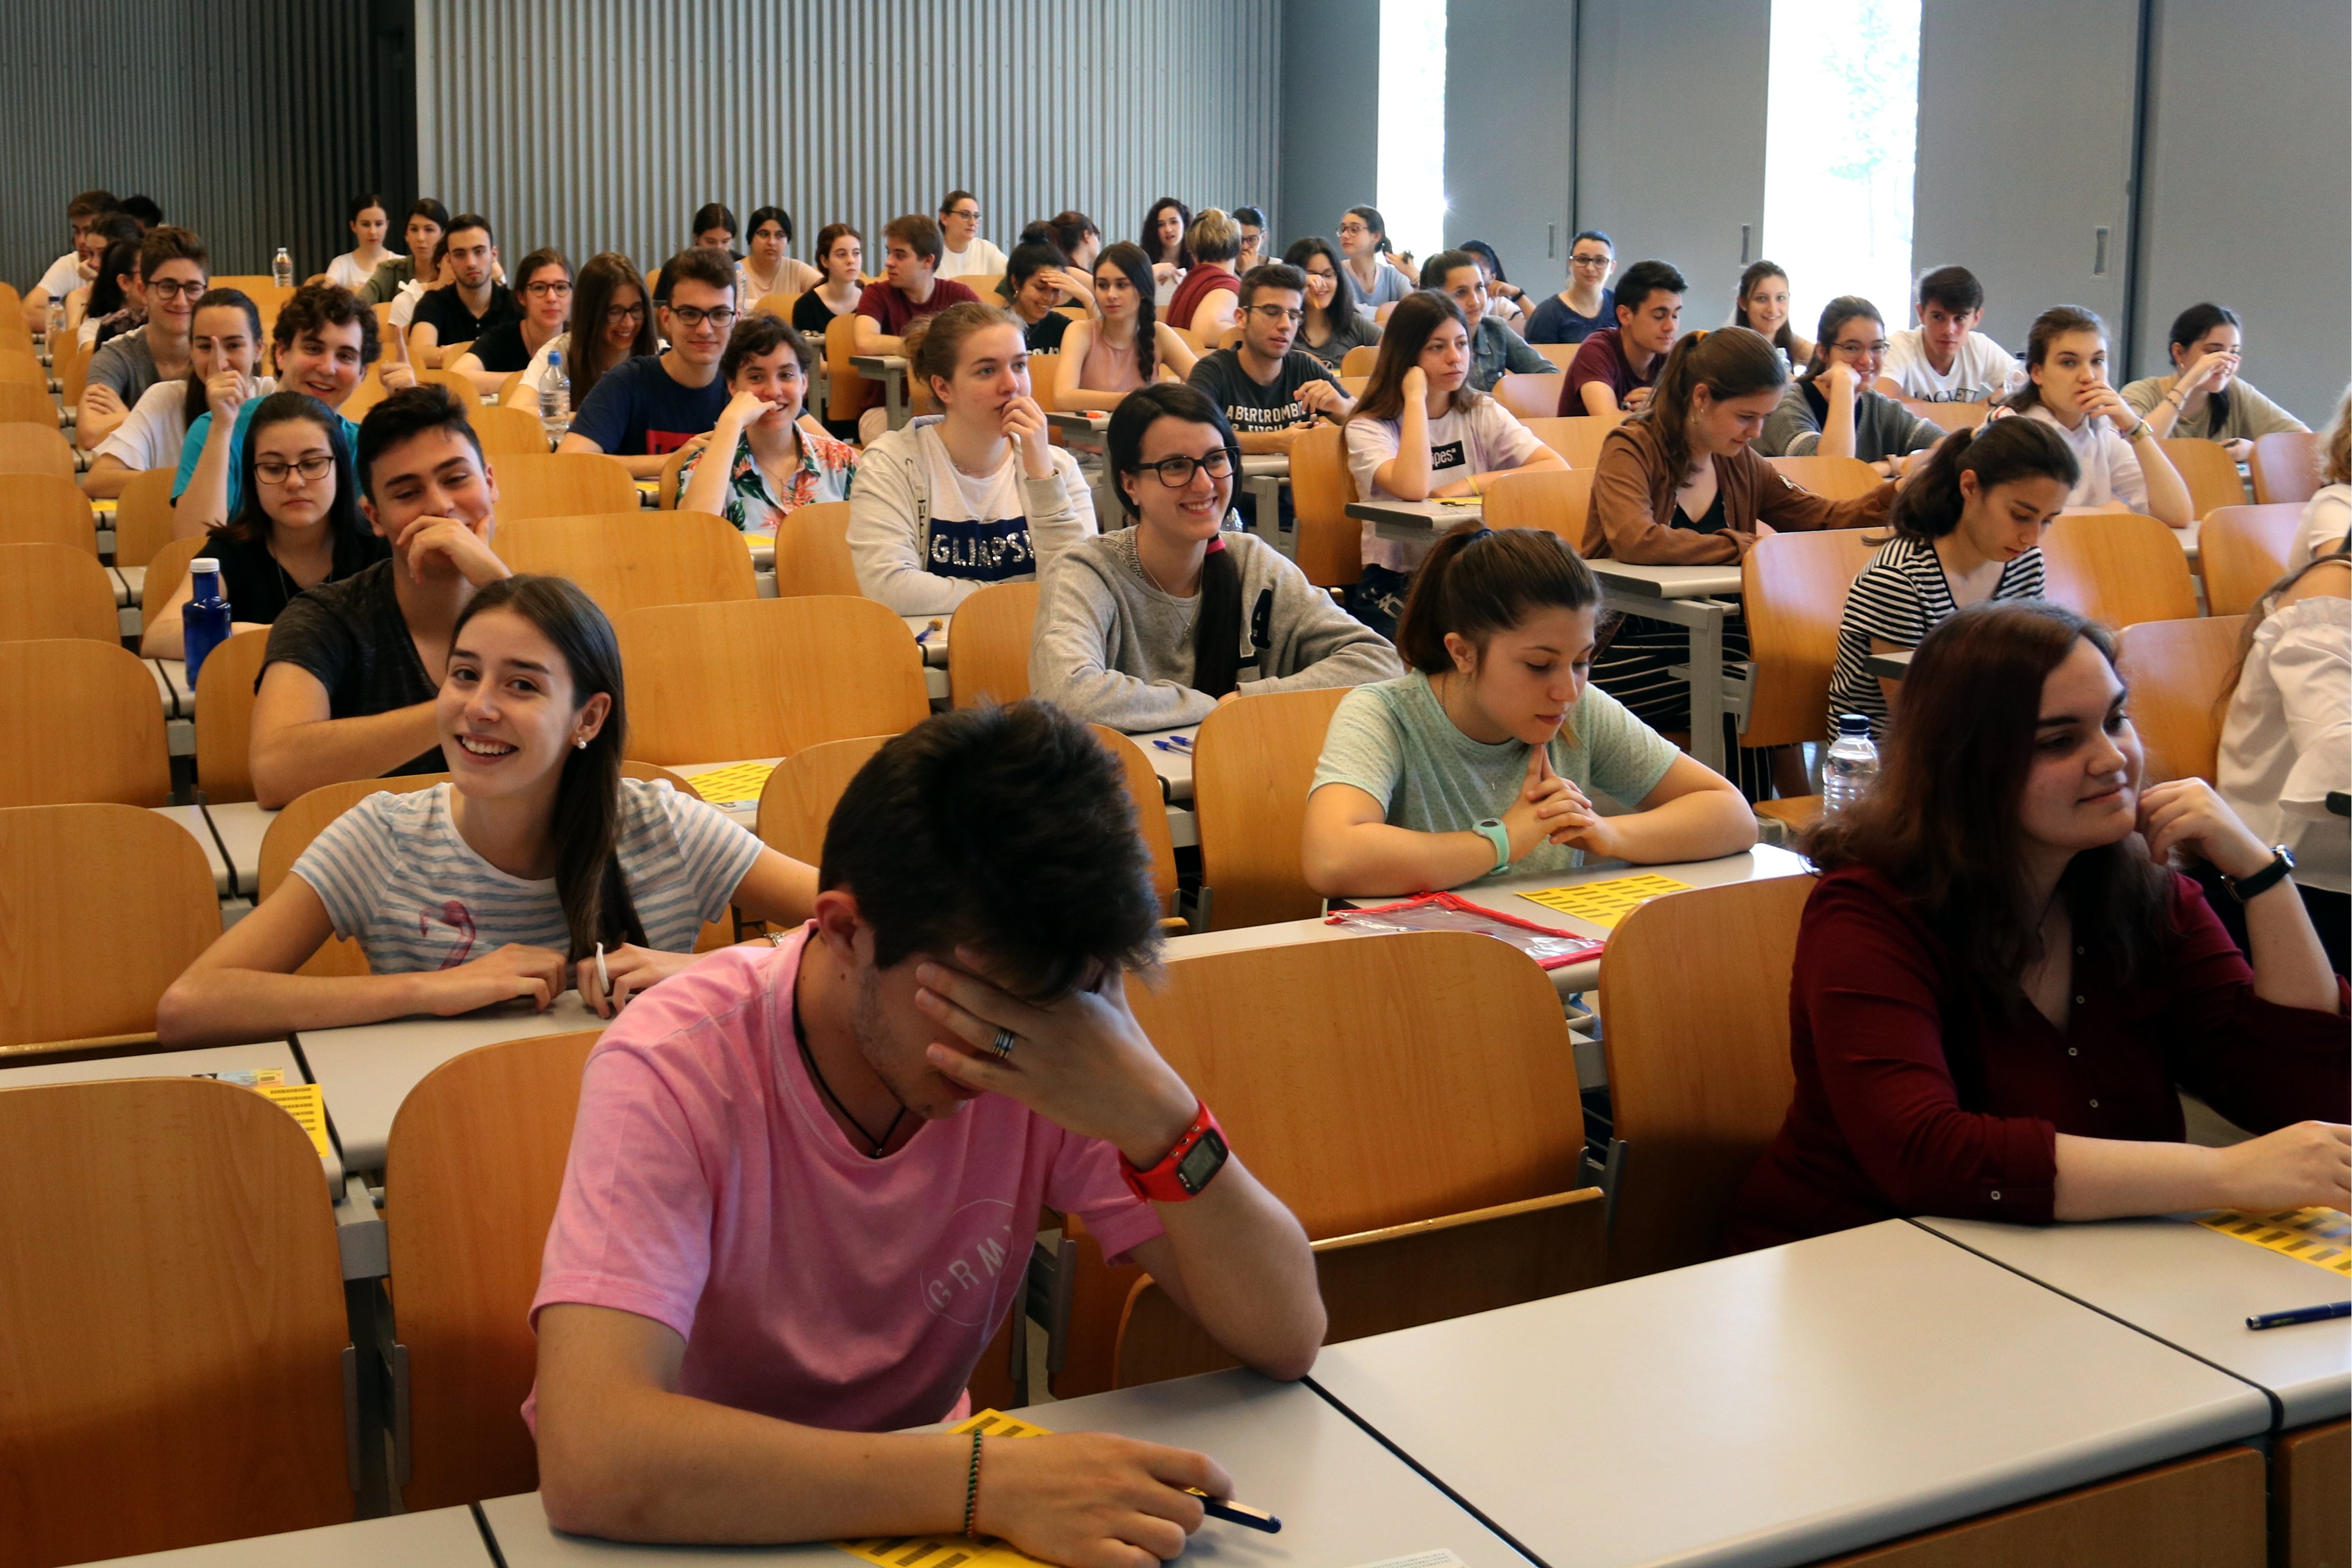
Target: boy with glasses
{"type": "Point", "coordinates": [966, 254]}
{"type": "Point", "coordinates": [172, 267]}
{"type": "Point", "coordinates": [1270, 392]}
{"type": "Point", "coordinates": [646, 407]}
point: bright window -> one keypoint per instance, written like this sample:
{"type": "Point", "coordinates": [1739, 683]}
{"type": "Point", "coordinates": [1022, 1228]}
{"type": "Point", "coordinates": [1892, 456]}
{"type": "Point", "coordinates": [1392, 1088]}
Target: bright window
{"type": "Point", "coordinates": [1841, 139]}
{"type": "Point", "coordinates": [1412, 168]}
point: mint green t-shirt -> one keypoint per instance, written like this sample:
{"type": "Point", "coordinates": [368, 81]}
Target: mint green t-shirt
{"type": "Point", "coordinates": [1393, 741]}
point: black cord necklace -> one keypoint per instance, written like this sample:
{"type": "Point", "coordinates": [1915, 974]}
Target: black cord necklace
{"type": "Point", "coordinates": [808, 1058]}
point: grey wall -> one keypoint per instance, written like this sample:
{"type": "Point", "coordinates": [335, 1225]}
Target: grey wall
{"type": "Point", "coordinates": [1330, 113]}
{"type": "Point", "coordinates": [1510, 133]}
{"type": "Point", "coordinates": [2250, 136]}
{"type": "Point", "coordinates": [603, 124]}
{"type": "Point", "coordinates": [251, 122]}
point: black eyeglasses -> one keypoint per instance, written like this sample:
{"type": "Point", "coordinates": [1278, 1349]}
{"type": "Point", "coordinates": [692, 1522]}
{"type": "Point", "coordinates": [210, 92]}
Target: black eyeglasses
{"type": "Point", "coordinates": [1587, 261]}
{"type": "Point", "coordinates": [1177, 473]}
{"type": "Point", "coordinates": [548, 290]}
{"type": "Point", "coordinates": [273, 472]}
{"type": "Point", "coordinates": [1270, 313]}
{"type": "Point", "coordinates": [694, 316]}
{"type": "Point", "coordinates": [618, 313]}
{"type": "Point", "coordinates": [173, 289]}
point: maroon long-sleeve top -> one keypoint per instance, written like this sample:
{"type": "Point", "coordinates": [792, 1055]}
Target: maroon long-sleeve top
{"type": "Point", "coordinates": [1920, 1092]}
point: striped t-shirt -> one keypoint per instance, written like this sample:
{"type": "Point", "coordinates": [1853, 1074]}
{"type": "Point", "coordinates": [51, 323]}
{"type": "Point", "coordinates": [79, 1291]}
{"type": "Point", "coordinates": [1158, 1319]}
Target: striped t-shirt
{"type": "Point", "coordinates": [1901, 595]}
{"type": "Point", "coordinates": [398, 878]}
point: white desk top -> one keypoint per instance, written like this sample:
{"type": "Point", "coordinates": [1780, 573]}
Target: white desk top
{"type": "Point", "coordinates": [192, 817]}
{"type": "Point", "coordinates": [1635, 580]}
{"type": "Point", "coordinates": [1079, 419]}
{"type": "Point", "coordinates": [878, 364]}
{"type": "Point", "coordinates": [1173, 765]}
{"type": "Point", "coordinates": [164, 693]}
{"type": "Point", "coordinates": [200, 1062]}
{"type": "Point", "coordinates": [368, 1070]}
{"type": "Point", "coordinates": [1436, 516]}
{"type": "Point", "coordinates": [241, 824]}
{"type": "Point", "coordinates": [1342, 1498]}
{"type": "Point", "coordinates": [2193, 1288]}
{"type": "Point", "coordinates": [174, 675]}
{"type": "Point", "coordinates": [1780, 1406]}
{"type": "Point", "coordinates": [1265, 464]}
{"type": "Point", "coordinates": [1892, 665]}
{"type": "Point", "coordinates": [444, 1538]}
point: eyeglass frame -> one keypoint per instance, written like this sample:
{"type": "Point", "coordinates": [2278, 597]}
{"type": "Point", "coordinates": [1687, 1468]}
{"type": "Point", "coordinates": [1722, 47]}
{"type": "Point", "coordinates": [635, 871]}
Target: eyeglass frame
{"type": "Point", "coordinates": [723, 317]}
{"type": "Point", "coordinates": [1232, 456]}
{"type": "Point", "coordinates": [176, 288]}
{"type": "Point", "coordinates": [635, 312]}
{"type": "Point", "coordinates": [1293, 317]}
{"type": "Point", "coordinates": [547, 291]}
{"type": "Point", "coordinates": [325, 461]}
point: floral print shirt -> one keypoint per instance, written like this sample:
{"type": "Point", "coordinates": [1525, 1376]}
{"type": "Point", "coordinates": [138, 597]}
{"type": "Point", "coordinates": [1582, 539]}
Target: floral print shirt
{"type": "Point", "coordinates": [827, 467]}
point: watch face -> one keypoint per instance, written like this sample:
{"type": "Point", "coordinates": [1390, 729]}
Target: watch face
{"type": "Point", "coordinates": [1201, 1162]}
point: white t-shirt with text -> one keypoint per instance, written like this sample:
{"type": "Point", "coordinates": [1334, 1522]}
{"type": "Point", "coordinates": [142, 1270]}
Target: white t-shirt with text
{"type": "Point", "coordinates": [1477, 439]}
{"type": "Point", "coordinates": [1981, 369]}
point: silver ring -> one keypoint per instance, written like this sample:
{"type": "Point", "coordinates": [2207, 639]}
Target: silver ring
{"type": "Point", "coordinates": [1005, 1040]}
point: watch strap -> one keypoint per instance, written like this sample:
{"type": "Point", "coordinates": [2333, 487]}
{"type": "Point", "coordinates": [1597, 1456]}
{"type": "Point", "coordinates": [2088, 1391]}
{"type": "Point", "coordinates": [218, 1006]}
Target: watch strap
{"type": "Point", "coordinates": [1493, 831]}
{"type": "Point", "coordinates": [1178, 1176]}
{"type": "Point", "coordinates": [2245, 887]}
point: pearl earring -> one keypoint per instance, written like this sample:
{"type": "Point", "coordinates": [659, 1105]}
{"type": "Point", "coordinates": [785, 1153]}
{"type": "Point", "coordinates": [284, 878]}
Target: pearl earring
{"type": "Point", "coordinates": [581, 744]}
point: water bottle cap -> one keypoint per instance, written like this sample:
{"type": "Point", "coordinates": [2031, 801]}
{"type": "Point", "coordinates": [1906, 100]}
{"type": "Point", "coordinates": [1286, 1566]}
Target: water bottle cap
{"type": "Point", "coordinates": [204, 563]}
{"type": "Point", "coordinates": [1853, 724]}
{"type": "Point", "coordinates": [554, 358]}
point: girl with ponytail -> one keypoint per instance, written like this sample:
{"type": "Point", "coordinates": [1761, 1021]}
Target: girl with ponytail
{"type": "Point", "coordinates": [502, 883]}
{"type": "Point", "coordinates": [2066, 387]}
{"type": "Point", "coordinates": [1152, 626]}
{"type": "Point", "coordinates": [1968, 528]}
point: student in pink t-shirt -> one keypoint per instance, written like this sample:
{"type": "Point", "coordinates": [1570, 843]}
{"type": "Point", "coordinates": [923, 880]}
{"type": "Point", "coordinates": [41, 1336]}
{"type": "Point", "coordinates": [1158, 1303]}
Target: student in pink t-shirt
{"type": "Point", "coordinates": [805, 1180]}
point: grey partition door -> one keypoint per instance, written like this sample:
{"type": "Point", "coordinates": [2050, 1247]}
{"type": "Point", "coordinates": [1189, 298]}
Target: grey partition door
{"type": "Point", "coordinates": [2026, 114]}
{"type": "Point", "coordinates": [1510, 133]}
{"type": "Point", "coordinates": [1670, 137]}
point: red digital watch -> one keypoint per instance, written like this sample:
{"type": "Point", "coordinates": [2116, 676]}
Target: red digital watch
{"type": "Point", "coordinates": [1186, 1168]}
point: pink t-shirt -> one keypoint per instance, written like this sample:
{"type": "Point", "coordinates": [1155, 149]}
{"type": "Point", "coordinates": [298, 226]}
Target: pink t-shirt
{"type": "Point", "coordinates": [708, 1189]}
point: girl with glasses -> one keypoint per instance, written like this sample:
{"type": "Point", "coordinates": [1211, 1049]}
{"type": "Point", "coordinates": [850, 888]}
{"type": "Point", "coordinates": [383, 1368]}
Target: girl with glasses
{"type": "Point", "coordinates": [1833, 410]}
{"type": "Point", "coordinates": [1364, 241]}
{"type": "Point", "coordinates": [1588, 303]}
{"type": "Point", "coordinates": [543, 289]}
{"type": "Point", "coordinates": [612, 319]}
{"type": "Point", "coordinates": [1150, 627]}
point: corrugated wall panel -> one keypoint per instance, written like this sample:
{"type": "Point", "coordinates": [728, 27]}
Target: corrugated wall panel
{"type": "Point", "coordinates": [602, 124]}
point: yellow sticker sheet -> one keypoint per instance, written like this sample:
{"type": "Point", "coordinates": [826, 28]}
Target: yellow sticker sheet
{"type": "Point", "coordinates": [306, 1104]}
{"type": "Point", "coordinates": [2319, 1236]}
{"type": "Point", "coordinates": [738, 784]}
{"type": "Point", "coordinates": [1604, 903]}
{"type": "Point", "coordinates": [952, 1550]}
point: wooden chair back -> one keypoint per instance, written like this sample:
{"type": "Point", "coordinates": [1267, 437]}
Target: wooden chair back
{"type": "Point", "coordinates": [508, 432]}
{"type": "Point", "coordinates": [1839, 479]}
{"type": "Point", "coordinates": [845, 390]}
{"type": "Point", "coordinates": [630, 559]}
{"type": "Point", "coordinates": [2208, 471]}
{"type": "Point", "coordinates": [117, 902]}
{"type": "Point", "coordinates": [1576, 438]}
{"type": "Point", "coordinates": [460, 387]}
{"type": "Point", "coordinates": [2117, 567]}
{"type": "Point", "coordinates": [1529, 396]}
{"type": "Point", "coordinates": [165, 571]}
{"type": "Point", "coordinates": [812, 552]}
{"type": "Point", "coordinates": [1253, 761]}
{"type": "Point", "coordinates": [44, 509]}
{"type": "Point", "coordinates": [562, 484]}
{"type": "Point", "coordinates": [988, 647]}
{"type": "Point", "coordinates": [778, 304]}
{"type": "Point", "coordinates": [1793, 587]}
{"type": "Point", "coordinates": [1331, 542]}
{"type": "Point", "coordinates": [2243, 549]}
{"type": "Point", "coordinates": [2287, 467]}
{"type": "Point", "coordinates": [1560, 354]}
{"type": "Point", "coordinates": [766, 678]}
{"type": "Point", "coordinates": [1950, 415]}
{"type": "Point", "coordinates": [1554, 500]}
{"type": "Point", "coordinates": [142, 517]}
{"type": "Point", "coordinates": [1151, 803]}
{"type": "Point", "coordinates": [2179, 673]}
{"type": "Point", "coordinates": [54, 591]}
{"type": "Point", "coordinates": [173, 1347]}
{"type": "Point", "coordinates": [1398, 1277]}
{"type": "Point", "coordinates": [800, 795]}
{"type": "Point", "coordinates": [303, 819]}
{"type": "Point", "coordinates": [22, 403]}
{"type": "Point", "coordinates": [23, 367]}
{"type": "Point", "coordinates": [225, 716]}
{"type": "Point", "coordinates": [87, 724]}
{"type": "Point", "coordinates": [72, 371]}
{"type": "Point", "coordinates": [666, 486]}
{"type": "Point", "coordinates": [1359, 359]}
{"type": "Point", "coordinates": [1353, 385]}
{"type": "Point", "coordinates": [1696, 989]}
{"type": "Point", "coordinates": [473, 1169]}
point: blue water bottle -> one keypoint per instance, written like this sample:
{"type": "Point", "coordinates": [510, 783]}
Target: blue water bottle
{"type": "Point", "coordinates": [204, 625]}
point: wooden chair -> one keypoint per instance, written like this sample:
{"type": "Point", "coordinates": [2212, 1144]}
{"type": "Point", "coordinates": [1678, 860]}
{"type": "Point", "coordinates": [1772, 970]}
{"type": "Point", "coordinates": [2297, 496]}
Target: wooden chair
{"type": "Point", "coordinates": [1950, 415]}
{"type": "Point", "coordinates": [1560, 354]}
{"type": "Point", "coordinates": [1330, 544]}
{"type": "Point", "coordinates": [22, 367]}
{"type": "Point", "coordinates": [165, 573]}
{"type": "Point", "coordinates": [22, 403]}
{"type": "Point", "coordinates": [1529, 396]}
{"type": "Point", "coordinates": [778, 304]}
{"type": "Point", "coordinates": [2208, 471]}
{"type": "Point", "coordinates": [1353, 385]}
{"type": "Point", "coordinates": [2179, 673]}
{"type": "Point", "coordinates": [54, 591]}
{"type": "Point", "coordinates": [2117, 567]}
{"type": "Point", "coordinates": [142, 517]}
{"type": "Point", "coordinates": [1554, 500]}
{"type": "Point", "coordinates": [1793, 587]}
{"type": "Point", "coordinates": [461, 388]}
{"type": "Point", "coordinates": [1839, 479]}
{"type": "Point", "coordinates": [86, 726]}
{"type": "Point", "coordinates": [108, 904]}
{"type": "Point", "coordinates": [665, 485]}
{"type": "Point", "coordinates": [1253, 761]}
{"type": "Point", "coordinates": [562, 484]}
{"type": "Point", "coordinates": [631, 560]}
{"type": "Point", "coordinates": [2287, 467]}
{"type": "Point", "coordinates": [473, 1169]}
{"type": "Point", "coordinates": [1359, 359]}
{"type": "Point", "coordinates": [44, 509]}
{"type": "Point", "coordinates": [812, 552]}
{"type": "Point", "coordinates": [1576, 437]}
{"type": "Point", "coordinates": [845, 390]}
{"type": "Point", "coordinates": [802, 792]}
{"type": "Point", "coordinates": [988, 648]}
{"type": "Point", "coordinates": [71, 369]}
{"type": "Point", "coordinates": [506, 433]}
{"type": "Point", "coordinates": [505, 390]}
{"type": "Point", "coordinates": [2243, 549]}
{"type": "Point", "coordinates": [1150, 802]}
{"type": "Point", "coordinates": [34, 448]}
{"type": "Point", "coordinates": [225, 693]}
{"type": "Point", "coordinates": [175, 1351]}
{"type": "Point", "coordinates": [766, 678]}
{"type": "Point", "coordinates": [1695, 988]}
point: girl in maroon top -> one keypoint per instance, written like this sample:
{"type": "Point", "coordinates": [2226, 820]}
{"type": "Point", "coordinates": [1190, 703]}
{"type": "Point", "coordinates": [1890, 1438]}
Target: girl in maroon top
{"type": "Point", "coordinates": [1997, 982]}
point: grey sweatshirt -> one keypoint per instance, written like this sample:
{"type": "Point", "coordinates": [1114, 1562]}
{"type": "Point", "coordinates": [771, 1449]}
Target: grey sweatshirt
{"type": "Point", "coordinates": [1113, 650]}
{"type": "Point", "coordinates": [924, 539]}
{"type": "Point", "coordinates": [1883, 428]}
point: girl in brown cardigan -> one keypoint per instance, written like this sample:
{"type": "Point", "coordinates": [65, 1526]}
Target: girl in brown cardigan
{"type": "Point", "coordinates": [1677, 485]}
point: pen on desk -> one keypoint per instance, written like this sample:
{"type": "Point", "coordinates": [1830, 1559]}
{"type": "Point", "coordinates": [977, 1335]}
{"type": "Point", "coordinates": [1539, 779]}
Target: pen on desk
{"type": "Point", "coordinates": [1179, 742]}
{"type": "Point", "coordinates": [2301, 1315]}
{"type": "Point", "coordinates": [1233, 1512]}
{"type": "Point", "coordinates": [925, 635]}
{"type": "Point", "coordinates": [604, 980]}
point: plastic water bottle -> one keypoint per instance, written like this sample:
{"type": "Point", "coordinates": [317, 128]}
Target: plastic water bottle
{"type": "Point", "coordinates": [204, 625]}
{"type": "Point", "coordinates": [554, 399]}
{"type": "Point", "coordinates": [281, 270]}
{"type": "Point", "coordinates": [56, 322]}
{"type": "Point", "coordinates": [1852, 763]}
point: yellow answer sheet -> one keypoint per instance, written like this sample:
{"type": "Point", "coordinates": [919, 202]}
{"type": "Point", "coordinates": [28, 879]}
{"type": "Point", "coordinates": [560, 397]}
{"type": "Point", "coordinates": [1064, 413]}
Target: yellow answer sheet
{"type": "Point", "coordinates": [1604, 903]}
{"type": "Point", "coordinates": [953, 1550]}
{"type": "Point", "coordinates": [2322, 1237]}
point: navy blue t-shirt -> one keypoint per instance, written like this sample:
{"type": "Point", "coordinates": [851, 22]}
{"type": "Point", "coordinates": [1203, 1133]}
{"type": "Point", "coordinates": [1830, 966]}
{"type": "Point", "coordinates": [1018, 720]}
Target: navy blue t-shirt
{"type": "Point", "coordinates": [636, 409]}
{"type": "Point", "coordinates": [1553, 323]}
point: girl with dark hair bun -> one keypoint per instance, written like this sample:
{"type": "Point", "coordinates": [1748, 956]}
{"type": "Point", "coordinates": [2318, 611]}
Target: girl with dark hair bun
{"type": "Point", "coordinates": [2066, 387]}
{"type": "Point", "coordinates": [1833, 410]}
{"type": "Point", "coordinates": [1485, 758]}
{"type": "Point", "coordinates": [1150, 627]}
{"type": "Point", "coordinates": [370, 220]}
{"type": "Point", "coordinates": [2001, 986]}
{"type": "Point", "coordinates": [768, 267]}
{"type": "Point", "coordinates": [507, 881]}
{"type": "Point", "coordinates": [1587, 304]}
{"type": "Point", "coordinates": [2205, 398]}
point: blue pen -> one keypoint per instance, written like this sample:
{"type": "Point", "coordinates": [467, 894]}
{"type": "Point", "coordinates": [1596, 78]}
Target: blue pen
{"type": "Point", "coordinates": [925, 635]}
{"type": "Point", "coordinates": [2301, 1315]}
{"type": "Point", "coordinates": [1179, 742]}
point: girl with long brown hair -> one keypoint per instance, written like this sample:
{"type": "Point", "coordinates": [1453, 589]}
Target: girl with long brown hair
{"type": "Point", "coordinates": [612, 320]}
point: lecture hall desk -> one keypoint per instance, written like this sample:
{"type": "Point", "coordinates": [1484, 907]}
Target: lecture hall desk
{"type": "Point", "coordinates": [441, 1538]}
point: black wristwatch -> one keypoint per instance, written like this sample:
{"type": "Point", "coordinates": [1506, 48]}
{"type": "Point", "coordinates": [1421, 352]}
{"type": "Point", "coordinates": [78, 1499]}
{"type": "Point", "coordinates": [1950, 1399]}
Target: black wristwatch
{"type": "Point", "coordinates": [2243, 888]}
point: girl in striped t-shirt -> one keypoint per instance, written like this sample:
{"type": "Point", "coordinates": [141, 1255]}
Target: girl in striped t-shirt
{"type": "Point", "coordinates": [1968, 527]}
{"type": "Point", "coordinates": [500, 884]}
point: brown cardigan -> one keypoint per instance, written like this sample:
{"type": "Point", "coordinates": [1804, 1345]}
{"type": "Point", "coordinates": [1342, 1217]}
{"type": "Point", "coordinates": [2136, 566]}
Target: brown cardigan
{"type": "Point", "coordinates": [1632, 490]}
